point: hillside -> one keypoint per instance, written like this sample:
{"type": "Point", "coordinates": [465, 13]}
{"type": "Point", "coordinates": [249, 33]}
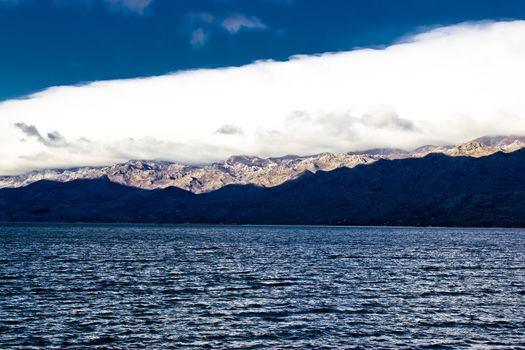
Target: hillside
{"type": "Point", "coordinates": [435, 190]}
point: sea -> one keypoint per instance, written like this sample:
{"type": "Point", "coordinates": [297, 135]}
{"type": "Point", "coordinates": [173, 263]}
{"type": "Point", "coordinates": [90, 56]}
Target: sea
{"type": "Point", "coordinates": [77, 286]}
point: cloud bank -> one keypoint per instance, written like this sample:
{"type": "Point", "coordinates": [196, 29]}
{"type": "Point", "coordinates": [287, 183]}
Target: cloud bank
{"type": "Point", "coordinates": [447, 85]}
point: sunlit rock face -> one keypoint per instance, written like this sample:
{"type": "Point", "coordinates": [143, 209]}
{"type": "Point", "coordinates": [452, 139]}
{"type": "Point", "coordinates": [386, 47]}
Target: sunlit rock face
{"type": "Point", "coordinates": [266, 172]}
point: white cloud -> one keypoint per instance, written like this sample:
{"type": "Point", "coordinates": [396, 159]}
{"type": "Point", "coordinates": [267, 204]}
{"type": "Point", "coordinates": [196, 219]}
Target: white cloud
{"type": "Point", "coordinates": [448, 85]}
{"type": "Point", "coordinates": [236, 22]}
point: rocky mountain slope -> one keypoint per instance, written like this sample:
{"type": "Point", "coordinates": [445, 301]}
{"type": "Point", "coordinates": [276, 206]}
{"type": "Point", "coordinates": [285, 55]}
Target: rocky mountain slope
{"type": "Point", "coordinates": [436, 190]}
{"type": "Point", "coordinates": [265, 172]}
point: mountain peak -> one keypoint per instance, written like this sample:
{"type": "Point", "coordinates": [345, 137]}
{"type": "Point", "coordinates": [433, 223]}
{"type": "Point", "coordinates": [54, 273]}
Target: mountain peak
{"type": "Point", "coordinates": [500, 140]}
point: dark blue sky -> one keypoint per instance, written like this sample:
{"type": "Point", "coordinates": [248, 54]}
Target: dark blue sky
{"type": "Point", "coordinates": [54, 42]}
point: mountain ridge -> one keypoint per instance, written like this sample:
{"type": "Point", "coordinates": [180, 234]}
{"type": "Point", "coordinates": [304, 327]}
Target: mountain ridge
{"type": "Point", "coordinates": [436, 190]}
{"type": "Point", "coordinates": [266, 172]}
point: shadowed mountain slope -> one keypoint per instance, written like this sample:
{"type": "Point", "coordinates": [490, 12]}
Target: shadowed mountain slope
{"type": "Point", "coordinates": [436, 190]}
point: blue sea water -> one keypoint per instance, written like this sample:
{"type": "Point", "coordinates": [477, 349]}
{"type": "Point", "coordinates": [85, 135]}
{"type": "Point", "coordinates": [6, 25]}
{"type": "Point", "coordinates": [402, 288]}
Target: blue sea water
{"type": "Point", "coordinates": [161, 287]}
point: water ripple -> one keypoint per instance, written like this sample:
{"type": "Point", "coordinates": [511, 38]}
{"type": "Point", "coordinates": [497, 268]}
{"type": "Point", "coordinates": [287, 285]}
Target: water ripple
{"type": "Point", "coordinates": [133, 286]}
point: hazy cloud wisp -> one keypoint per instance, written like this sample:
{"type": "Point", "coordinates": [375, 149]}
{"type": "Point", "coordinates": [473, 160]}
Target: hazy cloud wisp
{"type": "Point", "coordinates": [136, 6]}
{"type": "Point", "coordinates": [198, 37]}
{"type": "Point", "coordinates": [234, 23]}
{"type": "Point", "coordinates": [201, 24]}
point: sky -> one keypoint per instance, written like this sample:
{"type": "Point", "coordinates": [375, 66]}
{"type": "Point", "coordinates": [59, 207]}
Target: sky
{"type": "Point", "coordinates": [94, 82]}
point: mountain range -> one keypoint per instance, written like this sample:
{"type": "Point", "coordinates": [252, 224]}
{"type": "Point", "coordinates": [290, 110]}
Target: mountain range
{"type": "Point", "coordinates": [438, 189]}
{"type": "Point", "coordinates": [244, 170]}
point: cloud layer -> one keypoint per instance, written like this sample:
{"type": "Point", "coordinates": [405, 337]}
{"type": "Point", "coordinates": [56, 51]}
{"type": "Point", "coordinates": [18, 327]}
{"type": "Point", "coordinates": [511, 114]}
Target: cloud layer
{"type": "Point", "coordinates": [447, 85]}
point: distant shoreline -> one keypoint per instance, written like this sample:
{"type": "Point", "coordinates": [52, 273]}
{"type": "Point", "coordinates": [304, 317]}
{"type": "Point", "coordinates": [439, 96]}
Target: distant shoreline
{"type": "Point", "coordinates": [64, 223]}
